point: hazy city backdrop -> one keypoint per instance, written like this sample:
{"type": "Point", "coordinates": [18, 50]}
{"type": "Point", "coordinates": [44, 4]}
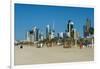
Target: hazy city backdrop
{"type": "Point", "coordinates": [27, 16]}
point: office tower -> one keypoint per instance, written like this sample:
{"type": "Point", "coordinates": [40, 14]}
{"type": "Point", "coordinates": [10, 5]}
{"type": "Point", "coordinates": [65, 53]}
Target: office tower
{"type": "Point", "coordinates": [84, 31]}
{"type": "Point", "coordinates": [61, 34]}
{"type": "Point", "coordinates": [70, 29]}
{"type": "Point", "coordinates": [64, 35]}
{"type": "Point", "coordinates": [48, 32]}
{"type": "Point", "coordinates": [52, 35]}
{"type": "Point", "coordinates": [41, 37]}
{"type": "Point", "coordinates": [75, 37]}
{"type": "Point", "coordinates": [88, 25]}
{"type": "Point", "coordinates": [27, 36]}
{"type": "Point", "coordinates": [86, 28]}
{"type": "Point", "coordinates": [31, 36]}
{"type": "Point", "coordinates": [37, 34]}
{"type": "Point", "coordinates": [58, 36]}
{"type": "Point", "coordinates": [53, 32]}
{"type": "Point", "coordinates": [34, 33]}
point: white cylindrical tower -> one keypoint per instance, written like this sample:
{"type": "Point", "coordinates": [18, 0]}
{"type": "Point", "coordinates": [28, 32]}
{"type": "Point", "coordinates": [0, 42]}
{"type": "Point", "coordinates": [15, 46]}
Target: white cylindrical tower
{"type": "Point", "coordinates": [27, 36]}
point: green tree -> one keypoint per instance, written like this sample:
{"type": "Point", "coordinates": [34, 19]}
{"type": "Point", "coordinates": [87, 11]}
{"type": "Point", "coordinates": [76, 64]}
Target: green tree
{"type": "Point", "coordinates": [91, 30]}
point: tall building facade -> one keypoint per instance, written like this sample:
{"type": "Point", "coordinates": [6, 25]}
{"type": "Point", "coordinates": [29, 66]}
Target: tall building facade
{"type": "Point", "coordinates": [70, 29]}
{"type": "Point", "coordinates": [37, 34]}
{"type": "Point", "coordinates": [86, 28]}
{"type": "Point", "coordinates": [41, 36]}
{"type": "Point", "coordinates": [47, 31]}
{"type": "Point", "coordinates": [27, 36]}
{"type": "Point", "coordinates": [33, 35]}
{"type": "Point", "coordinates": [52, 32]}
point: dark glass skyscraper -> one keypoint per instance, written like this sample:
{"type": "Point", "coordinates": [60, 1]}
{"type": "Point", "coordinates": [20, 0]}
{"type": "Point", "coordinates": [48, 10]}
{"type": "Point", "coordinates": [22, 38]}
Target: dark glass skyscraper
{"type": "Point", "coordinates": [86, 28]}
{"type": "Point", "coordinates": [37, 34]}
{"type": "Point", "coordinates": [70, 28]}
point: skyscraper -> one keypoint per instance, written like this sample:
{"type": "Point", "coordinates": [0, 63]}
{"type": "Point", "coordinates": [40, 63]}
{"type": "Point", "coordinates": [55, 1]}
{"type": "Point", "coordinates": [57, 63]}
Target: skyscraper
{"type": "Point", "coordinates": [58, 36]}
{"type": "Point", "coordinates": [88, 25]}
{"type": "Point", "coordinates": [61, 34]}
{"type": "Point", "coordinates": [86, 28]}
{"type": "Point", "coordinates": [41, 37]}
{"type": "Point", "coordinates": [48, 31]}
{"type": "Point", "coordinates": [53, 32]}
{"type": "Point", "coordinates": [31, 36]}
{"type": "Point", "coordinates": [27, 36]}
{"type": "Point", "coordinates": [37, 34]}
{"type": "Point", "coordinates": [70, 29]}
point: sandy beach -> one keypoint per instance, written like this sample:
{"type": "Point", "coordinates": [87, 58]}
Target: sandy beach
{"type": "Point", "coordinates": [57, 54]}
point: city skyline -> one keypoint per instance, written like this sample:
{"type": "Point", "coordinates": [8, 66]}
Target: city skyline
{"type": "Point", "coordinates": [27, 16]}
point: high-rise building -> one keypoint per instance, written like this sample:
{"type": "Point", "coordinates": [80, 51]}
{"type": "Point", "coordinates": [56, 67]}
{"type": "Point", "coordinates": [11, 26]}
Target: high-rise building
{"type": "Point", "coordinates": [88, 25]}
{"type": "Point", "coordinates": [84, 31]}
{"type": "Point", "coordinates": [41, 37]}
{"type": "Point", "coordinates": [48, 31]}
{"type": "Point", "coordinates": [31, 36]}
{"type": "Point", "coordinates": [64, 35]}
{"type": "Point", "coordinates": [70, 29]}
{"type": "Point", "coordinates": [61, 34]}
{"type": "Point", "coordinates": [52, 35]}
{"type": "Point", "coordinates": [86, 28]}
{"type": "Point", "coordinates": [58, 36]}
{"type": "Point", "coordinates": [37, 34]}
{"type": "Point", "coordinates": [52, 32]}
{"type": "Point", "coordinates": [27, 36]}
{"type": "Point", "coordinates": [76, 37]}
{"type": "Point", "coordinates": [34, 33]}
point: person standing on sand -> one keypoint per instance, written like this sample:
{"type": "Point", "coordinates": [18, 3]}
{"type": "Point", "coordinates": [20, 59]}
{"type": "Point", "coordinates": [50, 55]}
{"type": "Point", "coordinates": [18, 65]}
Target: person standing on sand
{"type": "Point", "coordinates": [21, 46]}
{"type": "Point", "coordinates": [81, 45]}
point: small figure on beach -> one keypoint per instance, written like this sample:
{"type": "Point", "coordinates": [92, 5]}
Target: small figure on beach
{"type": "Point", "coordinates": [81, 45]}
{"type": "Point", "coordinates": [21, 46]}
{"type": "Point", "coordinates": [39, 45]}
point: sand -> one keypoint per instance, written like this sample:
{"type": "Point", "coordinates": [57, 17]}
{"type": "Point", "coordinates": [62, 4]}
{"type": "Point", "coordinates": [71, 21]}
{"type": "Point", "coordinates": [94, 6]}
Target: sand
{"type": "Point", "coordinates": [57, 54]}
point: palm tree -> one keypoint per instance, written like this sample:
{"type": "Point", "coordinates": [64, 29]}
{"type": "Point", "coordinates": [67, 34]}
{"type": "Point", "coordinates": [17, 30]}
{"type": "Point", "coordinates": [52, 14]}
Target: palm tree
{"type": "Point", "coordinates": [91, 30]}
{"type": "Point", "coordinates": [67, 43]}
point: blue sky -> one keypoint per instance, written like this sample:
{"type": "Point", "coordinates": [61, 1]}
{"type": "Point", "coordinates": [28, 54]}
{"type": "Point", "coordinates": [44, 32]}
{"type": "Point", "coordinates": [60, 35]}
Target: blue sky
{"type": "Point", "coordinates": [30, 15]}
